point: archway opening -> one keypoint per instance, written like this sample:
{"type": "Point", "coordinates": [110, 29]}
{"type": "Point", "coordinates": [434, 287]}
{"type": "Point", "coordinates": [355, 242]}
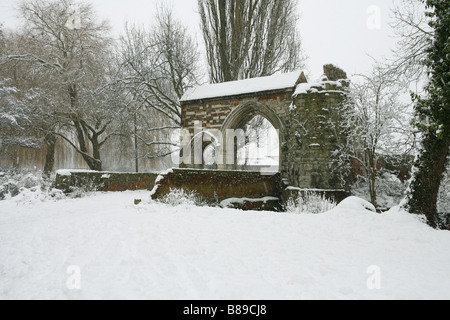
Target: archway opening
{"type": "Point", "coordinates": [236, 128]}
{"type": "Point", "coordinates": [259, 149]}
{"type": "Point", "coordinates": [210, 157]}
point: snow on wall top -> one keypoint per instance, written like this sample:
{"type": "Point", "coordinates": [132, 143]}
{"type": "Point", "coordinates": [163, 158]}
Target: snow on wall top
{"type": "Point", "coordinates": [232, 88]}
{"type": "Point", "coordinates": [304, 88]}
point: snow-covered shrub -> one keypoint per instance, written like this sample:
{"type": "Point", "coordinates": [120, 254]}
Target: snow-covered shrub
{"type": "Point", "coordinates": [12, 181]}
{"type": "Point", "coordinates": [37, 194]}
{"type": "Point", "coordinates": [24, 179]}
{"type": "Point", "coordinates": [27, 186]}
{"type": "Point", "coordinates": [8, 190]}
{"type": "Point", "coordinates": [179, 197]}
{"type": "Point", "coordinates": [5, 175]}
{"type": "Point", "coordinates": [358, 204]}
{"type": "Point", "coordinates": [390, 190]}
{"type": "Point", "coordinates": [309, 202]}
{"type": "Point", "coordinates": [83, 188]}
{"type": "Point", "coordinates": [30, 180]}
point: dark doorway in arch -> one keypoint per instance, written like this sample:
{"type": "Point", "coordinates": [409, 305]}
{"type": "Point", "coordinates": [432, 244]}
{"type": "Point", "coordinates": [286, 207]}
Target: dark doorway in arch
{"type": "Point", "coordinates": [259, 150]}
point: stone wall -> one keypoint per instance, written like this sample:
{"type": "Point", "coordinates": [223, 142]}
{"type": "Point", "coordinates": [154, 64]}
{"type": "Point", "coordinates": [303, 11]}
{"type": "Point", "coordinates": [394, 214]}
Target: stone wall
{"type": "Point", "coordinates": [213, 112]}
{"type": "Point", "coordinates": [307, 118]}
{"type": "Point", "coordinates": [213, 186]}
{"type": "Point", "coordinates": [104, 181]}
{"type": "Point", "coordinates": [312, 140]}
{"type": "Point", "coordinates": [239, 189]}
{"type": "Point", "coordinates": [314, 133]}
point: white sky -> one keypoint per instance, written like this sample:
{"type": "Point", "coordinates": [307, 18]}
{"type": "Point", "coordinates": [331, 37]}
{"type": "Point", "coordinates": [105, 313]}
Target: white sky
{"type": "Point", "coordinates": [333, 31]}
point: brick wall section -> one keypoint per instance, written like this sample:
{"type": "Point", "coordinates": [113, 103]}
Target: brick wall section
{"type": "Point", "coordinates": [215, 186]}
{"type": "Point", "coordinates": [105, 181]}
{"type": "Point", "coordinates": [310, 121]}
{"type": "Point", "coordinates": [212, 186]}
{"type": "Point", "coordinates": [213, 112]}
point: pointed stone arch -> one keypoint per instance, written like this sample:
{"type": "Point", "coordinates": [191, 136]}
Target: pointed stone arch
{"type": "Point", "coordinates": [238, 118]}
{"type": "Point", "coordinates": [287, 101]}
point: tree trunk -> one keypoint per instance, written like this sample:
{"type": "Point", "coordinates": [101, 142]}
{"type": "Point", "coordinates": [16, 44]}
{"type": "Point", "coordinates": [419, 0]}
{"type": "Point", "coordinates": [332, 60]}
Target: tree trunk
{"type": "Point", "coordinates": [93, 162]}
{"type": "Point", "coordinates": [97, 162]}
{"type": "Point", "coordinates": [431, 166]}
{"type": "Point", "coordinates": [372, 175]}
{"type": "Point", "coordinates": [372, 188]}
{"type": "Point", "coordinates": [223, 44]}
{"type": "Point", "coordinates": [136, 145]}
{"type": "Point", "coordinates": [50, 142]}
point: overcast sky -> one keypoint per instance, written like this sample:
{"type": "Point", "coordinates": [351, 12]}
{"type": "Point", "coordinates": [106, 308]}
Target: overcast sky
{"type": "Point", "coordinates": [343, 32]}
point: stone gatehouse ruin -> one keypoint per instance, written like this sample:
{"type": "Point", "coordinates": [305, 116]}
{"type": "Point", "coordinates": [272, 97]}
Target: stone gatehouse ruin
{"type": "Point", "coordinates": [304, 114]}
{"type": "Point", "coordinates": [306, 117]}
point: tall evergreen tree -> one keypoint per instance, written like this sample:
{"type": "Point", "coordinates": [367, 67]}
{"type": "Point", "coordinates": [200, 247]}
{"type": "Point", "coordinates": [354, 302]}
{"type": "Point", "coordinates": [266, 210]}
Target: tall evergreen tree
{"type": "Point", "coordinates": [433, 118]}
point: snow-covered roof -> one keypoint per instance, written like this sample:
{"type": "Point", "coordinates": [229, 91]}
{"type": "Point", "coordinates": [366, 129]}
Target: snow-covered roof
{"type": "Point", "coordinates": [233, 88]}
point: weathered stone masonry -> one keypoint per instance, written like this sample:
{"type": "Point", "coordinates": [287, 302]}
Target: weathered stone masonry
{"type": "Point", "coordinates": [314, 134]}
{"type": "Point", "coordinates": [305, 114]}
{"type": "Point", "coordinates": [217, 114]}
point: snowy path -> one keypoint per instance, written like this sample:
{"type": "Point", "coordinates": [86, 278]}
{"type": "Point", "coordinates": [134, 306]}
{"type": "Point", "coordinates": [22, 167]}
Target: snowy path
{"type": "Point", "coordinates": [158, 252]}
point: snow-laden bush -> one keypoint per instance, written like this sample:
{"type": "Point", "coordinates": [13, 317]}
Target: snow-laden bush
{"type": "Point", "coordinates": [357, 204]}
{"type": "Point", "coordinates": [309, 202]}
{"type": "Point", "coordinates": [6, 176]}
{"type": "Point", "coordinates": [37, 194]}
{"type": "Point", "coordinates": [390, 190]}
{"type": "Point", "coordinates": [25, 179]}
{"type": "Point", "coordinates": [8, 186]}
{"type": "Point", "coordinates": [11, 182]}
{"type": "Point", "coordinates": [27, 186]}
{"type": "Point", "coordinates": [180, 197]}
{"type": "Point", "coordinates": [84, 188]}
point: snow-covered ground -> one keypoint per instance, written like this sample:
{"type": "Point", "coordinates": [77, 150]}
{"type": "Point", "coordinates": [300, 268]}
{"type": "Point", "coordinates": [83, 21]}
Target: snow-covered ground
{"type": "Point", "coordinates": [152, 251]}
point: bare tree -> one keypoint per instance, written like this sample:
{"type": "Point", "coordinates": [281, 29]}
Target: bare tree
{"type": "Point", "coordinates": [28, 77]}
{"type": "Point", "coordinates": [67, 46]}
{"type": "Point", "coordinates": [377, 124]}
{"type": "Point", "coordinates": [38, 91]}
{"type": "Point", "coordinates": [157, 66]}
{"type": "Point", "coordinates": [250, 38]}
{"type": "Point", "coordinates": [179, 52]}
{"type": "Point", "coordinates": [414, 34]}
{"type": "Point", "coordinates": [14, 120]}
{"type": "Point", "coordinates": [2, 39]}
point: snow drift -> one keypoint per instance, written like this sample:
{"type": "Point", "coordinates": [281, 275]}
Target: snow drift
{"type": "Point", "coordinates": [156, 251]}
